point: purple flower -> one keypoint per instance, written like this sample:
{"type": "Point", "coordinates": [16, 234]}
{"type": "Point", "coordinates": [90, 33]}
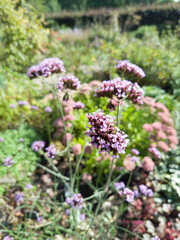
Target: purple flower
{"type": "Point", "coordinates": [38, 145]}
{"type": "Point", "coordinates": [29, 186]}
{"type": "Point", "coordinates": [130, 69]}
{"type": "Point", "coordinates": [33, 72]}
{"type": "Point", "coordinates": [21, 140]}
{"type": "Point", "coordinates": [155, 152]}
{"type": "Point", "coordinates": [156, 238]}
{"type": "Point", "coordinates": [23, 103]}
{"type": "Point", "coordinates": [145, 190]}
{"type": "Point", "coordinates": [8, 161]}
{"type": "Point", "coordinates": [78, 105]}
{"type": "Point", "coordinates": [68, 81]}
{"type": "Point", "coordinates": [67, 212]}
{"type": "Point", "coordinates": [1, 139]}
{"type": "Point", "coordinates": [82, 217]}
{"type": "Point", "coordinates": [51, 151]}
{"type": "Point", "coordinates": [12, 106]}
{"type": "Point", "coordinates": [40, 219]}
{"type": "Point", "coordinates": [135, 151]}
{"type": "Point", "coordinates": [8, 238]}
{"type": "Point", "coordinates": [135, 159]}
{"type": "Point", "coordinates": [48, 109]}
{"type": "Point", "coordinates": [136, 193]}
{"type": "Point", "coordinates": [129, 194]}
{"type": "Point", "coordinates": [34, 107]}
{"type": "Point", "coordinates": [46, 68]}
{"type": "Point", "coordinates": [19, 197]}
{"type": "Point", "coordinates": [121, 89]}
{"type": "Point", "coordinates": [119, 185]}
{"type": "Point", "coordinates": [76, 200]}
{"type": "Point", "coordinates": [105, 135]}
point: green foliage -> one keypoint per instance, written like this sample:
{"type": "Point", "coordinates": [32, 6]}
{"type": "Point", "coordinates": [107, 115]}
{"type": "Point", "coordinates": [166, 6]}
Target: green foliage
{"type": "Point", "coordinates": [22, 35]}
{"type": "Point", "coordinates": [22, 154]}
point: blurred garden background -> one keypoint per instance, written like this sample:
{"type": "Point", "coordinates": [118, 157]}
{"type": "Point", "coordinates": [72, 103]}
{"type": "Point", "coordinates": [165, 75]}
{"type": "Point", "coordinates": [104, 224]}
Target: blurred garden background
{"type": "Point", "coordinates": [89, 37]}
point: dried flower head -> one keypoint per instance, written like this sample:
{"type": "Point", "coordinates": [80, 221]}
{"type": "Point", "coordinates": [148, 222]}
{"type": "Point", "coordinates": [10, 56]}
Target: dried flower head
{"type": "Point", "coordinates": [130, 69]}
{"type": "Point", "coordinates": [105, 135]}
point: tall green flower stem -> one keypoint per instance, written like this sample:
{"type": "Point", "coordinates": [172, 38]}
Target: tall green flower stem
{"type": "Point", "coordinates": [54, 90]}
{"type": "Point", "coordinates": [77, 166]}
{"type": "Point", "coordinates": [119, 112]}
{"type": "Point", "coordinates": [101, 198]}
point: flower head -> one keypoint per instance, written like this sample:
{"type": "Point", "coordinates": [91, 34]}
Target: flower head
{"type": "Point", "coordinates": [148, 164]}
{"type": "Point", "coordinates": [76, 200]}
{"type": "Point", "coordinates": [51, 151]}
{"type": "Point", "coordinates": [40, 219]}
{"type": "Point", "coordinates": [68, 81]}
{"type": "Point", "coordinates": [104, 135]}
{"type": "Point", "coordinates": [12, 106]}
{"type": "Point", "coordinates": [129, 194]}
{"type": "Point", "coordinates": [78, 105]}
{"type": "Point", "coordinates": [46, 68]}
{"type": "Point", "coordinates": [34, 107]}
{"type": "Point", "coordinates": [8, 162]}
{"type": "Point", "coordinates": [48, 109]}
{"type": "Point", "coordinates": [130, 69]}
{"type": "Point", "coordinates": [38, 145]}
{"type": "Point", "coordinates": [155, 152]}
{"type": "Point", "coordinates": [145, 190]}
{"type": "Point", "coordinates": [19, 197]}
{"type": "Point", "coordinates": [121, 89]}
{"type": "Point", "coordinates": [8, 238]}
{"type": "Point", "coordinates": [1, 139]}
{"type": "Point", "coordinates": [29, 186]}
{"type": "Point", "coordinates": [135, 151]}
{"type": "Point", "coordinates": [119, 185]}
{"type": "Point", "coordinates": [156, 238]}
{"type": "Point", "coordinates": [23, 103]}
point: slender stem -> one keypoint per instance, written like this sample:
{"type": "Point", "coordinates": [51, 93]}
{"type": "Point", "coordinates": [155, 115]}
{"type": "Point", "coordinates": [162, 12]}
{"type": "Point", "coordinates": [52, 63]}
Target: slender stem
{"type": "Point", "coordinates": [77, 166]}
{"type": "Point", "coordinates": [100, 201]}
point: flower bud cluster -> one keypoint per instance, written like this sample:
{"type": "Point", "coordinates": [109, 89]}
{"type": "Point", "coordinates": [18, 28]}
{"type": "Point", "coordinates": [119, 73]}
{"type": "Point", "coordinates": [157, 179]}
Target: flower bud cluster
{"type": "Point", "coordinates": [121, 89]}
{"type": "Point", "coordinates": [76, 200]}
{"type": "Point", "coordinates": [105, 135]}
{"type": "Point", "coordinates": [130, 69]}
{"type": "Point", "coordinates": [46, 68]}
{"type": "Point", "coordinates": [155, 152]}
{"type": "Point", "coordinates": [68, 81]}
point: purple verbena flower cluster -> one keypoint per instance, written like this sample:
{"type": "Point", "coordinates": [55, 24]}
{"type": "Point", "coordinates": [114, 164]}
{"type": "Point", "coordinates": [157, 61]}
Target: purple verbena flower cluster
{"type": "Point", "coordinates": [19, 197]}
{"type": "Point", "coordinates": [38, 145]}
{"type": "Point", "coordinates": [130, 69]}
{"type": "Point", "coordinates": [76, 200]}
{"type": "Point", "coordinates": [121, 89]}
{"type": "Point", "coordinates": [8, 162]}
{"type": "Point", "coordinates": [119, 185]}
{"type": "Point", "coordinates": [51, 151]}
{"type": "Point", "coordinates": [105, 135]}
{"type": "Point", "coordinates": [46, 68]}
{"type": "Point", "coordinates": [135, 151]}
{"type": "Point", "coordinates": [155, 152]}
{"type": "Point", "coordinates": [128, 193]}
{"type": "Point", "coordinates": [78, 105]}
{"type": "Point", "coordinates": [135, 159]}
{"type": "Point", "coordinates": [48, 109]}
{"type": "Point", "coordinates": [145, 190]}
{"type": "Point", "coordinates": [1, 139]}
{"type": "Point", "coordinates": [68, 81]}
{"type": "Point", "coordinates": [156, 238]}
{"type": "Point", "coordinates": [8, 238]}
{"type": "Point", "coordinates": [23, 103]}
